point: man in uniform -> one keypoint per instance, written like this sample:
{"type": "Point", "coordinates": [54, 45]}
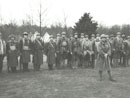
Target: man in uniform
{"type": "Point", "coordinates": [124, 48]}
{"type": "Point", "coordinates": [2, 51]}
{"type": "Point", "coordinates": [117, 47]}
{"type": "Point", "coordinates": [76, 50]}
{"type": "Point", "coordinates": [92, 37]}
{"type": "Point", "coordinates": [103, 60]}
{"type": "Point", "coordinates": [82, 38]}
{"type": "Point", "coordinates": [25, 50]}
{"type": "Point", "coordinates": [87, 50]}
{"type": "Point", "coordinates": [70, 53]}
{"type": "Point", "coordinates": [38, 47]}
{"type": "Point", "coordinates": [63, 49]}
{"type": "Point", "coordinates": [94, 43]}
{"type": "Point", "coordinates": [111, 40]}
{"type": "Point", "coordinates": [12, 53]}
{"type": "Point", "coordinates": [51, 53]}
{"type": "Point", "coordinates": [127, 51]}
{"type": "Point", "coordinates": [97, 35]}
{"type": "Point", "coordinates": [57, 53]}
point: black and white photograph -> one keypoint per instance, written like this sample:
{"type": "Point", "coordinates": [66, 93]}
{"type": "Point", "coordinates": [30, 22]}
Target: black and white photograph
{"type": "Point", "coordinates": [64, 49]}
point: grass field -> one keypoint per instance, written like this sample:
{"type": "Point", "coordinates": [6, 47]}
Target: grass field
{"type": "Point", "coordinates": [76, 83]}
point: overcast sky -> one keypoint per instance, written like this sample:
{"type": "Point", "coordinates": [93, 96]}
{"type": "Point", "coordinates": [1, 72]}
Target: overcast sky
{"type": "Point", "coordinates": [106, 12]}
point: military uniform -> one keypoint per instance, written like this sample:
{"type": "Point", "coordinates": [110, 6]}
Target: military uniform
{"type": "Point", "coordinates": [12, 51]}
{"type": "Point", "coordinates": [127, 51]}
{"type": "Point", "coordinates": [86, 53]}
{"type": "Point", "coordinates": [25, 50]}
{"type": "Point", "coordinates": [102, 62]}
{"type": "Point", "coordinates": [57, 52]}
{"type": "Point", "coordinates": [63, 49]}
{"type": "Point", "coordinates": [124, 53]}
{"type": "Point", "coordinates": [70, 59]}
{"type": "Point", "coordinates": [76, 50]}
{"type": "Point", "coordinates": [2, 52]}
{"type": "Point", "coordinates": [117, 46]}
{"type": "Point", "coordinates": [38, 49]}
{"type": "Point", "coordinates": [111, 40]}
{"type": "Point", "coordinates": [51, 53]}
{"type": "Point", "coordinates": [81, 54]}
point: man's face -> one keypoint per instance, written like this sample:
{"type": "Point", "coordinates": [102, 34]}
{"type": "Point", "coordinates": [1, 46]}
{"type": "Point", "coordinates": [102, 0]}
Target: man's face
{"type": "Point", "coordinates": [51, 38]}
{"type": "Point", "coordinates": [26, 36]}
{"type": "Point", "coordinates": [82, 37]}
{"type": "Point", "coordinates": [38, 36]}
{"type": "Point", "coordinates": [76, 36]}
{"type": "Point", "coordinates": [63, 36]}
{"type": "Point", "coordinates": [12, 38]}
{"type": "Point", "coordinates": [92, 38]}
{"type": "Point", "coordinates": [86, 38]}
{"type": "Point", "coordinates": [118, 35]}
{"type": "Point", "coordinates": [103, 39]}
{"type": "Point", "coordinates": [98, 35]}
{"type": "Point", "coordinates": [71, 37]}
{"type": "Point", "coordinates": [111, 38]}
{"type": "Point", "coordinates": [58, 37]}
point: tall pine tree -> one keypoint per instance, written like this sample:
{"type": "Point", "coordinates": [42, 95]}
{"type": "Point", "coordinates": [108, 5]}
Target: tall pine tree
{"type": "Point", "coordinates": [85, 25]}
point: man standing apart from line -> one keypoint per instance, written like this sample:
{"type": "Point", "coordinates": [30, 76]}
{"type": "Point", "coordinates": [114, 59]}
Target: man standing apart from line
{"type": "Point", "coordinates": [103, 58]}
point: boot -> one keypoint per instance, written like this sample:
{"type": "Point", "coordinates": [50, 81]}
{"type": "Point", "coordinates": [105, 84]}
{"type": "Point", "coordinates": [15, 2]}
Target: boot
{"type": "Point", "coordinates": [100, 74]}
{"type": "Point", "coordinates": [110, 77]}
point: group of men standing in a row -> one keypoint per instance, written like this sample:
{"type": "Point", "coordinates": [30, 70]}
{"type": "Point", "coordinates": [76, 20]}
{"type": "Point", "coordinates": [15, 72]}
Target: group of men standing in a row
{"type": "Point", "coordinates": [84, 51]}
{"type": "Point", "coordinates": [75, 52]}
{"type": "Point", "coordinates": [63, 52]}
{"type": "Point", "coordinates": [23, 49]}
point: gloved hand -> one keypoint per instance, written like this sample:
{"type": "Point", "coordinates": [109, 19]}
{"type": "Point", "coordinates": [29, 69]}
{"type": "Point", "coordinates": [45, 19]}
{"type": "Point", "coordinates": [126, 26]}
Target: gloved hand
{"type": "Point", "coordinates": [106, 55]}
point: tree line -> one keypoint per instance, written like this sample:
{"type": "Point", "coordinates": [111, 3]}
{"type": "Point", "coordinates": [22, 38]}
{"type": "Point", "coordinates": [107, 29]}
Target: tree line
{"type": "Point", "coordinates": [85, 25]}
{"type": "Point", "coordinates": [124, 29]}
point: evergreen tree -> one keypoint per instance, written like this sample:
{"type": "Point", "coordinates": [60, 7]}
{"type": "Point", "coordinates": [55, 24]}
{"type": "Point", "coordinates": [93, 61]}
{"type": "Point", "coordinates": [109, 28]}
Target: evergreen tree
{"type": "Point", "coordinates": [86, 25]}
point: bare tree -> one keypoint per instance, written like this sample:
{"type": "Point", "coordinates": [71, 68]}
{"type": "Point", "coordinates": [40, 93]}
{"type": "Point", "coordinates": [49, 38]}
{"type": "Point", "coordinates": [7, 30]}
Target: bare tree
{"type": "Point", "coordinates": [30, 16]}
{"type": "Point", "coordinates": [42, 13]}
{"type": "Point", "coordinates": [65, 21]}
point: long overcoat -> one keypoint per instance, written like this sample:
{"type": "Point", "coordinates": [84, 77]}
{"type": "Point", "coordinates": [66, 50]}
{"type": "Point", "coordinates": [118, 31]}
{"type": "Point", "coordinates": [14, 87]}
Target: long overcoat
{"type": "Point", "coordinates": [25, 50]}
{"type": "Point", "coordinates": [117, 46]}
{"type": "Point", "coordinates": [103, 63]}
{"type": "Point", "coordinates": [12, 53]}
{"type": "Point", "coordinates": [38, 48]}
{"type": "Point", "coordinates": [51, 52]}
